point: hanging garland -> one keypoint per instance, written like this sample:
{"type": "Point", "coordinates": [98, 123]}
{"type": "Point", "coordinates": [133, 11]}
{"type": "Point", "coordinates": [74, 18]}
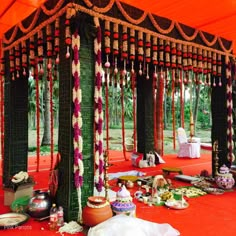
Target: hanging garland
{"type": "Point", "coordinates": [49, 40]}
{"type": "Point", "coordinates": [123, 76]}
{"type": "Point", "coordinates": [2, 73]}
{"type": "Point", "coordinates": [99, 159]}
{"type": "Point", "coordinates": [133, 81]}
{"type": "Point", "coordinates": [107, 69]}
{"type": "Point", "coordinates": [24, 57]}
{"type": "Point", "coordinates": [17, 60]}
{"type": "Point", "coordinates": [77, 121]}
{"type": "Point", "coordinates": [230, 130]}
{"type": "Point", "coordinates": [56, 47]}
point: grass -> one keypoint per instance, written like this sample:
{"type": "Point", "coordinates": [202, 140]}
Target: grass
{"type": "Point", "coordinates": [115, 140]}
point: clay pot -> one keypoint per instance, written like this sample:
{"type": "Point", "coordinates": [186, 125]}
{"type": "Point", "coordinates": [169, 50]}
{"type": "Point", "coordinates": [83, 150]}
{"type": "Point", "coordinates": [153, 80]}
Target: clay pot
{"type": "Point", "coordinates": [96, 211]}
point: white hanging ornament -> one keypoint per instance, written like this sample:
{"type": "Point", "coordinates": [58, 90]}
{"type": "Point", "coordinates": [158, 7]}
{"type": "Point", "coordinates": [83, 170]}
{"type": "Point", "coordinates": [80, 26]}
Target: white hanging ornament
{"type": "Point", "coordinates": [57, 60]}
{"type": "Point", "coordinates": [220, 83]}
{"type": "Point", "coordinates": [67, 52]}
{"type": "Point", "coordinates": [140, 69]}
{"type": "Point", "coordinates": [214, 82]}
{"type": "Point", "coordinates": [24, 72]}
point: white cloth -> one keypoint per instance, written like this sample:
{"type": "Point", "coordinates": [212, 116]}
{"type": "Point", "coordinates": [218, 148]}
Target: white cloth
{"type": "Point", "coordinates": [122, 225]}
{"type": "Point", "coordinates": [188, 147]}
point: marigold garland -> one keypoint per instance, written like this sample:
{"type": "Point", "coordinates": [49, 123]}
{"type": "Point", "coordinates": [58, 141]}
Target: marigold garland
{"type": "Point", "coordinates": [98, 116]}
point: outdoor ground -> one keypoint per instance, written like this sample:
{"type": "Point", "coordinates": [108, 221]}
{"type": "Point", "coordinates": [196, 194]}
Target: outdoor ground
{"type": "Point", "coordinates": [115, 137]}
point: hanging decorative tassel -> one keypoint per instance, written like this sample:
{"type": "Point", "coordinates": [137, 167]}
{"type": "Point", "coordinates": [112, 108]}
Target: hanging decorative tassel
{"type": "Point", "coordinates": [199, 63]}
{"type": "Point", "coordinates": [204, 59]}
{"type": "Point", "coordinates": [167, 53]}
{"type": "Point", "coordinates": [12, 63]}
{"type": "Point", "coordinates": [32, 55]}
{"type": "Point", "coordinates": [173, 55]}
{"type": "Point", "coordinates": [40, 51]}
{"type": "Point", "coordinates": [185, 64]}
{"type": "Point", "coordinates": [209, 67]}
{"type": "Point", "coordinates": [230, 130]}
{"type": "Point", "coordinates": [99, 159]}
{"type": "Point", "coordinates": [56, 47]}
{"type": "Point", "coordinates": [67, 32]}
{"type": "Point", "coordinates": [17, 60]}
{"type": "Point", "coordinates": [124, 54]}
{"type": "Point", "coordinates": [24, 57]}
{"type": "Point", "coordinates": [194, 65]}
{"type": "Point", "coordinates": [161, 52]}
{"type": "Point", "coordinates": [148, 53]}
{"type": "Point", "coordinates": [115, 49]}
{"type": "Point", "coordinates": [219, 67]}
{"type": "Point", "coordinates": [140, 51]}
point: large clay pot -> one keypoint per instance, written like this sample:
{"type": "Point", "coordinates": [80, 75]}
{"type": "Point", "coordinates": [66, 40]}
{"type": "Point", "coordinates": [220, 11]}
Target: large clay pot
{"type": "Point", "coordinates": [39, 205]}
{"type": "Point", "coordinates": [96, 211]}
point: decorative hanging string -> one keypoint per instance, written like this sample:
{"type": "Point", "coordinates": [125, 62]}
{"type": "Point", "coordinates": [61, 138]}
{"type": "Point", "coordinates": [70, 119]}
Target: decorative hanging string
{"type": "Point", "coordinates": [140, 51]}
{"type": "Point", "coordinates": [2, 73]}
{"type": "Point", "coordinates": [32, 55]}
{"type": "Point", "coordinates": [67, 32]}
{"type": "Point", "coordinates": [40, 51]}
{"type": "Point", "coordinates": [50, 79]}
{"type": "Point", "coordinates": [154, 95]}
{"type": "Point", "coordinates": [17, 60]}
{"type": "Point", "coordinates": [204, 59]}
{"type": "Point", "coordinates": [161, 99]}
{"type": "Point", "coordinates": [133, 83]}
{"type": "Point", "coordinates": [181, 84]}
{"type": "Point", "coordinates": [154, 90]}
{"type": "Point", "coordinates": [209, 68]}
{"type": "Point", "coordinates": [123, 114]}
{"type": "Point", "coordinates": [36, 77]}
{"type": "Point", "coordinates": [173, 107]}
{"type": "Point", "coordinates": [77, 121]}
{"type": "Point", "coordinates": [56, 47]}
{"type": "Point", "coordinates": [123, 74]}
{"type": "Point", "coordinates": [148, 53]}
{"type": "Point", "coordinates": [99, 159]}
{"type": "Point", "coordinates": [107, 76]}
{"type": "Point", "coordinates": [24, 57]}
{"type": "Point", "coordinates": [12, 63]}
{"type": "Point", "coordinates": [219, 67]}
{"type": "Point", "coordinates": [230, 130]}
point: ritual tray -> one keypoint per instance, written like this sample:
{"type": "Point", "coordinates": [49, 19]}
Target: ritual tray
{"type": "Point", "coordinates": [186, 178]}
{"type": "Point", "coordinates": [12, 220]}
{"type": "Point", "coordinates": [177, 205]}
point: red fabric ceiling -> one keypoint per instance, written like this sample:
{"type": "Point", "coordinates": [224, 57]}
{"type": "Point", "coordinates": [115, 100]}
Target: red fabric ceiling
{"type": "Point", "coordinates": [214, 16]}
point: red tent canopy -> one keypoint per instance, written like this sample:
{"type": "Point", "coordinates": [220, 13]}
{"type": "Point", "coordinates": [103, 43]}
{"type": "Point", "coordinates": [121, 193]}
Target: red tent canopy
{"type": "Point", "coordinates": [213, 16]}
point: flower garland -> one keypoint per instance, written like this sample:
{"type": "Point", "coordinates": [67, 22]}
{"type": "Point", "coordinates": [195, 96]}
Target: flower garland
{"type": "Point", "coordinates": [77, 121]}
{"type": "Point", "coordinates": [99, 159]}
{"type": "Point", "coordinates": [230, 130]}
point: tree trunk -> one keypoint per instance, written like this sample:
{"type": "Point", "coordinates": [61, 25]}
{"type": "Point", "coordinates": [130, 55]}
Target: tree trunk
{"type": "Point", "coordinates": [46, 128]}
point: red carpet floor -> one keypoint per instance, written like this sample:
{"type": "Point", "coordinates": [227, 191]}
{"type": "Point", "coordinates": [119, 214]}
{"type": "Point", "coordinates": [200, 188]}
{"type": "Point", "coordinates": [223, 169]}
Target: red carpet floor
{"type": "Point", "coordinates": [211, 215]}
